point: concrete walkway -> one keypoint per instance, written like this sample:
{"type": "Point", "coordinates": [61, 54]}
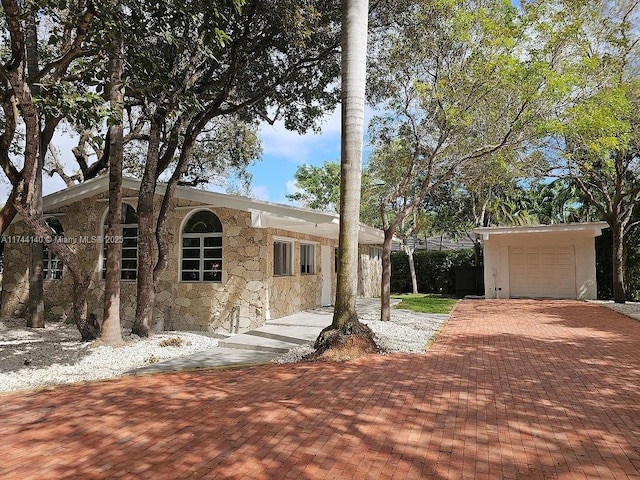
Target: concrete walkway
{"type": "Point", "coordinates": [263, 344]}
{"type": "Point", "coordinates": [509, 390]}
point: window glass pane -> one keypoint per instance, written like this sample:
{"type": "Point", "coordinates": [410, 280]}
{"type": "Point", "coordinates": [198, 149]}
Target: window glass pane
{"type": "Point", "coordinates": [130, 232]}
{"type": "Point", "coordinates": [212, 276]}
{"type": "Point", "coordinates": [190, 276]}
{"type": "Point", "coordinates": [203, 221]}
{"type": "Point", "coordinates": [190, 242]}
{"type": "Point", "coordinates": [56, 226]}
{"type": "Point", "coordinates": [213, 242]}
{"type": "Point", "coordinates": [282, 258]}
{"type": "Point", "coordinates": [129, 253]}
{"type": "Point", "coordinates": [212, 265]}
{"type": "Point", "coordinates": [191, 264]}
{"type": "Point", "coordinates": [130, 242]}
{"type": "Point", "coordinates": [128, 215]}
{"type": "Point", "coordinates": [190, 253]}
{"type": "Point", "coordinates": [213, 253]}
{"type": "Point", "coordinates": [128, 275]}
{"type": "Point", "coordinates": [129, 264]}
{"type": "Point", "coordinates": [307, 259]}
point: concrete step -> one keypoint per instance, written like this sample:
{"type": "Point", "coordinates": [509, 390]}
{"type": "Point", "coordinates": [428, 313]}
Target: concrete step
{"type": "Point", "coordinates": [296, 334]}
{"type": "Point", "coordinates": [256, 343]}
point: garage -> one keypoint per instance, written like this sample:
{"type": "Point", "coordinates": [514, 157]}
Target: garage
{"type": "Point", "coordinates": [542, 272]}
{"type": "Point", "coordinates": [541, 261]}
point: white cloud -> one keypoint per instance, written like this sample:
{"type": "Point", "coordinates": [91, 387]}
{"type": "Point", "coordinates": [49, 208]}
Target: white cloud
{"type": "Point", "coordinates": [281, 143]}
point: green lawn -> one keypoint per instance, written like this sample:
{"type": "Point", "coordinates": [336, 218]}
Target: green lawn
{"type": "Point", "coordinates": [425, 303]}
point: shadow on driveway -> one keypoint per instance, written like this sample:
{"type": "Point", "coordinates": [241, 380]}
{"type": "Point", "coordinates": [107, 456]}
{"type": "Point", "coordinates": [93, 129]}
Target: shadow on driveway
{"type": "Point", "coordinates": [510, 389]}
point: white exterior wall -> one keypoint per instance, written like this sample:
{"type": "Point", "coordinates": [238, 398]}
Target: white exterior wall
{"type": "Point", "coordinates": [496, 259]}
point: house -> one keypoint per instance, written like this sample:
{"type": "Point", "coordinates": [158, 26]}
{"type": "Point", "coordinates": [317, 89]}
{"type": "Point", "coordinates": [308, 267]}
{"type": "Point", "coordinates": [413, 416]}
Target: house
{"type": "Point", "coordinates": [234, 262]}
{"type": "Point", "coordinates": [543, 261]}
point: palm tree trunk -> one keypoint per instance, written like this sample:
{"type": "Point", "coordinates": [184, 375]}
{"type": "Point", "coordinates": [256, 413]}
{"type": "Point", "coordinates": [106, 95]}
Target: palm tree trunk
{"type": "Point", "coordinates": [354, 53]}
{"type": "Point", "coordinates": [110, 333]}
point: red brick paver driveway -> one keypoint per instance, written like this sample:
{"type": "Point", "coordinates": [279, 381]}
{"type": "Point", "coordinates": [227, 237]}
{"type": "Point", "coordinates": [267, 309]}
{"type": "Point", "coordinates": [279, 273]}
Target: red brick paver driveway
{"type": "Point", "coordinates": [510, 389]}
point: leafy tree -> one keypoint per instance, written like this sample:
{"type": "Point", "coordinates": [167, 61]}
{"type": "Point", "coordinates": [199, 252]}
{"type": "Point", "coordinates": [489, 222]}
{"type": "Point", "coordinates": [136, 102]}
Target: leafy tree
{"type": "Point", "coordinates": [454, 79]}
{"type": "Point", "coordinates": [39, 87]}
{"type": "Point", "coordinates": [597, 137]}
{"type": "Point", "coordinates": [268, 60]}
{"type": "Point", "coordinates": [319, 187]}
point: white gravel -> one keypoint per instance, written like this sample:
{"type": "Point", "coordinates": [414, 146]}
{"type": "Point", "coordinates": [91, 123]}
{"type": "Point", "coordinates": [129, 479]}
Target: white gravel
{"type": "Point", "coordinates": [54, 355]}
{"type": "Point", "coordinates": [407, 332]}
{"type": "Point", "coordinates": [630, 309]}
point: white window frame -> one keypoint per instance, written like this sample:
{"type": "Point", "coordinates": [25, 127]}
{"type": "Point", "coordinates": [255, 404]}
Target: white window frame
{"type": "Point", "coordinates": [375, 253]}
{"type": "Point", "coordinates": [287, 263]}
{"type": "Point", "coordinates": [307, 258]}
{"type": "Point", "coordinates": [202, 260]}
{"type": "Point", "coordinates": [52, 267]}
{"type": "Point", "coordinates": [122, 249]}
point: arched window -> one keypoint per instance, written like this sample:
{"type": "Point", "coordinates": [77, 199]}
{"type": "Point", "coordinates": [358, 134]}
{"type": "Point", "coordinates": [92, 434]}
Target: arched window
{"type": "Point", "coordinates": [202, 248]}
{"type": "Point", "coordinates": [52, 265]}
{"type": "Point", "coordinates": [129, 262]}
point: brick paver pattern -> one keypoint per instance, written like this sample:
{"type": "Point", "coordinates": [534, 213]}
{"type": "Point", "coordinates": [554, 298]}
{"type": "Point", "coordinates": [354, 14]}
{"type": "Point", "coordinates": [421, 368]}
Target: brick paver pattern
{"type": "Point", "coordinates": [510, 389]}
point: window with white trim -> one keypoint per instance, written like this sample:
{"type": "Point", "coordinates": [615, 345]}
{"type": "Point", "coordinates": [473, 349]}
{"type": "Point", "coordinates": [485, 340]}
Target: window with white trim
{"type": "Point", "coordinates": [202, 248]}
{"type": "Point", "coordinates": [307, 258]}
{"type": "Point", "coordinates": [51, 264]}
{"type": "Point", "coordinates": [129, 229]}
{"type": "Point", "coordinates": [375, 253]}
{"type": "Point", "coordinates": [282, 257]}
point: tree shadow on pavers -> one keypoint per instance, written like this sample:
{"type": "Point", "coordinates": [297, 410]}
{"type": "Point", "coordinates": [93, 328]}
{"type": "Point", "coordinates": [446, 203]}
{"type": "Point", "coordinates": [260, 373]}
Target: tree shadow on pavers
{"type": "Point", "coordinates": [502, 404]}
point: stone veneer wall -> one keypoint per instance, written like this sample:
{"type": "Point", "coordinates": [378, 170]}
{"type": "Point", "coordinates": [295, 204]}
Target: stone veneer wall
{"type": "Point", "coordinates": [293, 293]}
{"type": "Point", "coordinates": [246, 297]}
{"type": "Point", "coordinates": [369, 273]}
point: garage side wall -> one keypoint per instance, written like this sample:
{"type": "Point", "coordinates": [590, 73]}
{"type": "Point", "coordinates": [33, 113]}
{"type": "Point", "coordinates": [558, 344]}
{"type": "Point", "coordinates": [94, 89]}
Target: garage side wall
{"type": "Point", "coordinates": [496, 260]}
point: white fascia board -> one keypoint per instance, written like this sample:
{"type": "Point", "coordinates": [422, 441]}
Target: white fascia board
{"type": "Point", "coordinates": [593, 228]}
{"type": "Point", "coordinates": [263, 214]}
{"type": "Point", "coordinates": [69, 195]}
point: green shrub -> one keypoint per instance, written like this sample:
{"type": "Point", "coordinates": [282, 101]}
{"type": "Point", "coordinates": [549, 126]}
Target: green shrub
{"type": "Point", "coordinates": [435, 270]}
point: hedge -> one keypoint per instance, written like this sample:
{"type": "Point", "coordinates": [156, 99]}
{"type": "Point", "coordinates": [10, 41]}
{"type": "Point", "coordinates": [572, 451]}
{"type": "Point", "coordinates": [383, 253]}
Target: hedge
{"type": "Point", "coordinates": [435, 270]}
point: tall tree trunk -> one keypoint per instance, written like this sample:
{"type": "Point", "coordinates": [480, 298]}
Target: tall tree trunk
{"type": "Point", "coordinates": [354, 55]}
{"type": "Point", "coordinates": [618, 262]}
{"type": "Point", "coordinates": [145, 298]}
{"type": "Point", "coordinates": [412, 268]}
{"type": "Point", "coordinates": [111, 330]}
{"type": "Point", "coordinates": [35, 311]}
{"type": "Point", "coordinates": [385, 291]}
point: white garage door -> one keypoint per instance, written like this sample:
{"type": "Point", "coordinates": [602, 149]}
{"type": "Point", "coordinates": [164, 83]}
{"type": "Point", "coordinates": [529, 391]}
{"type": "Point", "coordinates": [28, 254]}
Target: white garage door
{"type": "Point", "coordinates": [542, 272]}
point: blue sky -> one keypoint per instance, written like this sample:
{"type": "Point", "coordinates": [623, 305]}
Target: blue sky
{"type": "Point", "coordinates": [284, 151]}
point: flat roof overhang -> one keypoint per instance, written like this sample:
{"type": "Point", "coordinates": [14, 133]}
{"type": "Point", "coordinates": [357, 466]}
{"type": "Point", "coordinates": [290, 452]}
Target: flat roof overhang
{"type": "Point", "coordinates": [589, 228]}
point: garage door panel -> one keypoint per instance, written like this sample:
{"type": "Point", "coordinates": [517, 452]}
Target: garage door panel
{"type": "Point", "coordinates": [542, 272]}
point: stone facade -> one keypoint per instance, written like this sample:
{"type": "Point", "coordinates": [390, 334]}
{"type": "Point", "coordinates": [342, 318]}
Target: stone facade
{"type": "Point", "coordinates": [248, 294]}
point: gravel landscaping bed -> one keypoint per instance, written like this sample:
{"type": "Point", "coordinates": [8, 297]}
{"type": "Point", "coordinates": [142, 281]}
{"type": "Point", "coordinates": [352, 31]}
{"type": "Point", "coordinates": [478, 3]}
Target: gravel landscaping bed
{"type": "Point", "coordinates": [55, 355]}
{"type": "Point", "coordinates": [407, 332]}
{"type": "Point", "coordinates": [630, 309]}
{"type": "Point", "coordinates": [33, 357]}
